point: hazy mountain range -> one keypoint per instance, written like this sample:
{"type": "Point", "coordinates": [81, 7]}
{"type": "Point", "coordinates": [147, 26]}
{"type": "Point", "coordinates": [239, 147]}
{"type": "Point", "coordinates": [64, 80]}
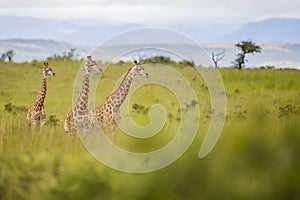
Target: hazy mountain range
{"type": "Point", "coordinates": [270, 30]}
{"type": "Point", "coordinates": [279, 39]}
{"type": "Point", "coordinates": [89, 33]}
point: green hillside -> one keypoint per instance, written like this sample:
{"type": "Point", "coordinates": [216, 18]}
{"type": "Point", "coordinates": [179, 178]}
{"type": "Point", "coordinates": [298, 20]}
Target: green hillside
{"type": "Point", "coordinates": [256, 156]}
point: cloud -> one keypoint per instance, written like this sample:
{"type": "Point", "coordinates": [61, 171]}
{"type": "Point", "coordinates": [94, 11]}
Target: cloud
{"type": "Point", "coordinates": [155, 12]}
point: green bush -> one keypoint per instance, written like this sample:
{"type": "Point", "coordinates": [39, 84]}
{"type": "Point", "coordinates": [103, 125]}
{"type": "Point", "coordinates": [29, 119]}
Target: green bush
{"type": "Point", "coordinates": [288, 109]}
{"type": "Point", "coordinates": [159, 60]}
{"type": "Point", "coordinates": [139, 108]}
{"type": "Point", "coordinates": [9, 107]}
{"type": "Point", "coordinates": [52, 120]}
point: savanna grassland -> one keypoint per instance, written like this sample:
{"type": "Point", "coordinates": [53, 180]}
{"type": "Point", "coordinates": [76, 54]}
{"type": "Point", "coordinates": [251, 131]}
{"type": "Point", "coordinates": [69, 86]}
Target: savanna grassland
{"type": "Point", "coordinates": [256, 157]}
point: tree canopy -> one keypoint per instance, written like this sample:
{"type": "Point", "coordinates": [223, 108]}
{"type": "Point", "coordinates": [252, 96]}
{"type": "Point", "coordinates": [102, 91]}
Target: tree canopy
{"type": "Point", "coordinates": [245, 47]}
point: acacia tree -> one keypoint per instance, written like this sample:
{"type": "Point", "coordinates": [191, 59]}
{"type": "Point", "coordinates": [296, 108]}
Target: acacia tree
{"type": "Point", "coordinates": [245, 47]}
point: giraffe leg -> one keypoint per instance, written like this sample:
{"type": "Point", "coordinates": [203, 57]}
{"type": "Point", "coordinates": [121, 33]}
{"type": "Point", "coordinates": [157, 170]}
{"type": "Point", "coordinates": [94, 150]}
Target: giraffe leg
{"type": "Point", "coordinates": [111, 127]}
{"type": "Point", "coordinates": [67, 122]}
{"type": "Point", "coordinates": [109, 124]}
{"type": "Point", "coordinates": [66, 125]}
{"type": "Point", "coordinates": [43, 118]}
{"type": "Point", "coordinates": [117, 117]}
{"type": "Point", "coordinates": [95, 125]}
{"type": "Point", "coordinates": [28, 118]}
{"type": "Point", "coordinates": [43, 122]}
{"type": "Point", "coordinates": [34, 123]}
{"type": "Point", "coordinates": [34, 120]}
{"type": "Point", "coordinates": [69, 125]}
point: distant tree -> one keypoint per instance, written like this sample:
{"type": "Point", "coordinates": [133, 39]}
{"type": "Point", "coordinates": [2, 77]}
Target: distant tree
{"type": "Point", "coordinates": [8, 54]}
{"type": "Point", "coordinates": [159, 59]}
{"type": "Point", "coordinates": [216, 57]}
{"type": "Point", "coordinates": [245, 47]}
{"type": "Point", "coordinates": [185, 62]}
{"type": "Point", "coordinates": [67, 55]}
{"type": "Point", "coordinates": [3, 57]}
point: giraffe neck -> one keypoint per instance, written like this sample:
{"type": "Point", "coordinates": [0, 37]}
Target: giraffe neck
{"type": "Point", "coordinates": [41, 98]}
{"type": "Point", "coordinates": [122, 91]}
{"type": "Point", "coordinates": [82, 101]}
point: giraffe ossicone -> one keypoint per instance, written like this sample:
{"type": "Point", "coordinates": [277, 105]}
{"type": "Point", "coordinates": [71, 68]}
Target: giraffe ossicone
{"type": "Point", "coordinates": [37, 113]}
{"type": "Point", "coordinates": [78, 117]}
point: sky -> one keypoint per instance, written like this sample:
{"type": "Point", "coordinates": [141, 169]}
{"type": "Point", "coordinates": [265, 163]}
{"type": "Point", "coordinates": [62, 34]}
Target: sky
{"type": "Point", "coordinates": [153, 12]}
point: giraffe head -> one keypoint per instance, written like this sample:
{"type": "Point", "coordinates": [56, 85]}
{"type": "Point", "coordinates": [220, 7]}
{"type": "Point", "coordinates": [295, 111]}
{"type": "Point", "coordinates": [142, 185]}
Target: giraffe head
{"type": "Point", "coordinates": [48, 70]}
{"type": "Point", "coordinates": [91, 65]}
{"type": "Point", "coordinates": [137, 69]}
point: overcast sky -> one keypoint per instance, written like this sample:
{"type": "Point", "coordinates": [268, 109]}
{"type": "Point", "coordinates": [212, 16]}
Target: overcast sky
{"type": "Point", "coordinates": [154, 12]}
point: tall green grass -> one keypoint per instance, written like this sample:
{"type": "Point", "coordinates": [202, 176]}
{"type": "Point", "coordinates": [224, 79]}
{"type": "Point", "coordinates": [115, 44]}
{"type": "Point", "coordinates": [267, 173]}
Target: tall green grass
{"type": "Point", "coordinates": [256, 156]}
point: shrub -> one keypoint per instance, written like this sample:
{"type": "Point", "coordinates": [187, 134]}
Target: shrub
{"type": "Point", "coordinates": [159, 59]}
{"type": "Point", "coordinates": [53, 121]}
{"type": "Point", "coordinates": [9, 107]}
{"type": "Point", "coordinates": [187, 63]}
{"type": "Point", "coordinates": [287, 110]}
{"type": "Point", "coordinates": [139, 108]}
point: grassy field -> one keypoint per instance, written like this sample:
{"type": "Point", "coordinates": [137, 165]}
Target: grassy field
{"type": "Point", "coordinates": [256, 157]}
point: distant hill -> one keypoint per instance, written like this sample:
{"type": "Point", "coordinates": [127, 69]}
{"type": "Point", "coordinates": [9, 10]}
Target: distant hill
{"type": "Point", "coordinates": [270, 30]}
{"type": "Point", "coordinates": [79, 34]}
{"type": "Point", "coordinates": [31, 49]}
{"type": "Point", "coordinates": [93, 33]}
{"type": "Point", "coordinates": [277, 54]}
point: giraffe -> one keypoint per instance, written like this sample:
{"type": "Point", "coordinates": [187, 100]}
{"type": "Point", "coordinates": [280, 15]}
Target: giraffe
{"type": "Point", "coordinates": [37, 114]}
{"type": "Point", "coordinates": [79, 113]}
{"type": "Point", "coordinates": [108, 113]}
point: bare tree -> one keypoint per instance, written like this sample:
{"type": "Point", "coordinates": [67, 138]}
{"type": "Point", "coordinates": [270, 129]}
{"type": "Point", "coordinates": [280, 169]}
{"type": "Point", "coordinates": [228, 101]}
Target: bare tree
{"type": "Point", "coordinates": [216, 57]}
